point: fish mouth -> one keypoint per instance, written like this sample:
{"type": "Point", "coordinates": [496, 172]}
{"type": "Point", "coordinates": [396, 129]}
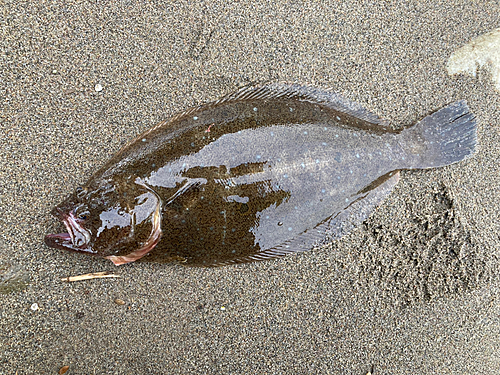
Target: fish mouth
{"type": "Point", "coordinates": [77, 238]}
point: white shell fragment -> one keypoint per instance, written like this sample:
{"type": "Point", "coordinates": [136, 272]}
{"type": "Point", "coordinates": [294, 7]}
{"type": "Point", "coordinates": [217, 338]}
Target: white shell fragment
{"type": "Point", "coordinates": [484, 51]}
{"type": "Point", "coordinates": [98, 87]}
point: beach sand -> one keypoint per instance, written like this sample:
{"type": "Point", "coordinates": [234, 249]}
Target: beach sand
{"type": "Point", "coordinates": [414, 290]}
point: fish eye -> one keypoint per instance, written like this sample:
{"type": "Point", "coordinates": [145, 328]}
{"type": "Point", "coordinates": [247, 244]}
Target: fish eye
{"type": "Point", "coordinates": [83, 216]}
{"type": "Point", "coordinates": [80, 191]}
{"type": "Point", "coordinates": [82, 213]}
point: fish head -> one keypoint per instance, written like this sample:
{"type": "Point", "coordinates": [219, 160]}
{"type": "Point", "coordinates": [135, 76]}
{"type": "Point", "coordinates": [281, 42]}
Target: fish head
{"type": "Point", "coordinates": [120, 222]}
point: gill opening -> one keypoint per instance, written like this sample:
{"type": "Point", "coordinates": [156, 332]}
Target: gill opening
{"type": "Point", "coordinates": [156, 219]}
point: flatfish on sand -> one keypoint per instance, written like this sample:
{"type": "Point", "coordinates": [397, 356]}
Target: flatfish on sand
{"type": "Point", "coordinates": [258, 174]}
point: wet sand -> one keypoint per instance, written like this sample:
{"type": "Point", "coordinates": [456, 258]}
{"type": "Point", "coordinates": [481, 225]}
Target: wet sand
{"type": "Point", "coordinates": [414, 290]}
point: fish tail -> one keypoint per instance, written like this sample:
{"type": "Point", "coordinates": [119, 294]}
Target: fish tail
{"type": "Point", "coordinates": [448, 136]}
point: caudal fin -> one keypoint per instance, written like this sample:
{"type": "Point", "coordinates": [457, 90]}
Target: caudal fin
{"type": "Point", "coordinates": [449, 135]}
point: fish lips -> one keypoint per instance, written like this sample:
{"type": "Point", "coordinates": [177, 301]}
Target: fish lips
{"type": "Point", "coordinates": [76, 239]}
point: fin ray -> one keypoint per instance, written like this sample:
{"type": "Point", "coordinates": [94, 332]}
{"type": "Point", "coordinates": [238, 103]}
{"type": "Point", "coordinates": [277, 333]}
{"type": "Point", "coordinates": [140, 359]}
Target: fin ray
{"type": "Point", "coordinates": [327, 98]}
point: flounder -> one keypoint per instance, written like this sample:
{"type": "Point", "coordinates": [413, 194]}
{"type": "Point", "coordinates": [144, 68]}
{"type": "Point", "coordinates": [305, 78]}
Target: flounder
{"type": "Point", "coordinates": [266, 171]}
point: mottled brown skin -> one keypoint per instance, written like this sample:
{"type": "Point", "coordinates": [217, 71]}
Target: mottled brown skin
{"type": "Point", "coordinates": [265, 172]}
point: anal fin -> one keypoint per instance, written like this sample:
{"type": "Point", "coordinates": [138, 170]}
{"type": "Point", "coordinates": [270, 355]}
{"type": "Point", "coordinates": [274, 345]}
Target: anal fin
{"type": "Point", "coordinates": [332, 228]}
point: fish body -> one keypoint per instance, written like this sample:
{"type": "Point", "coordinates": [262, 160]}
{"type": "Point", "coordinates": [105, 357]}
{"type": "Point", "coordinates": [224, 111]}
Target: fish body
{"type": "Point", "coordinates": [261, 173]}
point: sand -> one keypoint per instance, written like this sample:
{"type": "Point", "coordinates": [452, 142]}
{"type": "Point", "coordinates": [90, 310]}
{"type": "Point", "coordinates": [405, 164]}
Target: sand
{"type": "Point", "coordinates": [414, 290]}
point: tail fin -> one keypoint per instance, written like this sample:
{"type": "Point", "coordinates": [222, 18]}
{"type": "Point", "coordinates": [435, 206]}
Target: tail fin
{"type": "Point", "coordinates": [448, 136]}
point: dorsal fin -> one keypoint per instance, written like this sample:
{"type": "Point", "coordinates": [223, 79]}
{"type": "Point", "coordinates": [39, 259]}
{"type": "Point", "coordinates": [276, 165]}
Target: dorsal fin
{"type": "Point", "coordinates": [315, 95]}
{"type": "Point", "coordinates": [308, 94]}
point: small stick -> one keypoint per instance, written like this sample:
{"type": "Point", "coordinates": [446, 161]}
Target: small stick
{"type": "Point", "coordinates": [89, 276]}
